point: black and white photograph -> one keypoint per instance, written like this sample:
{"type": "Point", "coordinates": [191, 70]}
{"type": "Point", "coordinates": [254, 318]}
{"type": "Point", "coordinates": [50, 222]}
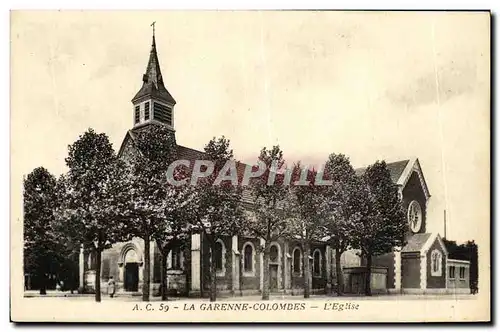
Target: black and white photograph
{"type": "Point", "coordinates": [250, 166]}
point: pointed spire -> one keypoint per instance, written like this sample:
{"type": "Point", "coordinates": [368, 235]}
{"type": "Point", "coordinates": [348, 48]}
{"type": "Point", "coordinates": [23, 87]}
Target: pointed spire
{"type": "Point", "coordinates": [153, 25]}
{"type": "Point", "coordinates": [153, 85]}
{"type": "Point", "coordinates": [153, 72]}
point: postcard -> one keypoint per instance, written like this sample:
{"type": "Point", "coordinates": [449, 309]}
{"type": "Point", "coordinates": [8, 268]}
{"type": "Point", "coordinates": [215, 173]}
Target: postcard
{"type": "Point", "coordinates": [250, 166]}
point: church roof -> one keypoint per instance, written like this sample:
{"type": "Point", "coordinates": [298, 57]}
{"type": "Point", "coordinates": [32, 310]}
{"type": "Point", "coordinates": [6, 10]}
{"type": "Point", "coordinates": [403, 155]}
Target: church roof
{"type": "Point", "coordinates": [422, 242]}
{"type": "Point", "coordinates": [416, 242]}
{"type": "Point", "coordinates": [192, 155]}
{"type": "Point", "coordinates": [152, 80]}
{"type": "Point", "coordinates": [395, 168]}
{"type": "Point", "coordinates": [184, 152]}
{"type": "Point", "coordinates": [401, 172]}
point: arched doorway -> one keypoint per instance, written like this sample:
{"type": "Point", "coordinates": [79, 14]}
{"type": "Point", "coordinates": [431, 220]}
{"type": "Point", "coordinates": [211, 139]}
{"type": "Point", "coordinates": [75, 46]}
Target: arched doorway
{"type": "Point", "coordinates": [131, 273]}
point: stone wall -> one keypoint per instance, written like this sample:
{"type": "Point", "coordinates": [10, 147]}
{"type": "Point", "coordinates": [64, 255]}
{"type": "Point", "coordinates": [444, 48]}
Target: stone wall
{"type": "Point", "coordinates": [354, 280]}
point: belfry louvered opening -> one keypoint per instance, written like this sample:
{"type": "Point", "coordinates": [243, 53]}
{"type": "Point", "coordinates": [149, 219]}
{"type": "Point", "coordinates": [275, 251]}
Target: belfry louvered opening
{"type": "Point", "coordinates": [162, 113]}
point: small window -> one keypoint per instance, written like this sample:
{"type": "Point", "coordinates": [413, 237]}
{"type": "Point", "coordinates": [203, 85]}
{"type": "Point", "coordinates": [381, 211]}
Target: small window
{"type": "Point", "coordinates": [317, 263]}
{"type": "Point", "coordinates": [436, 263]}
{"type": "Point", "coordinates": [248, 258]}
{"type": "Point", "coordinates": [176, 259]}
{"type": "Point", "coordinates": [91, 261]}
{"type": "Point", "coordinates": [461, 272]}
{"type": "Point", "coordinates": [218, 256]}
{"type": "Point", "coordinates": [296, 260]}
{"type": "Point", "coordinates": [452, 272]}
{"type": "Point", "coordinates": [106, 268]}
{"type": "Point", "coordinates": [137, 114]}
{"type": "Point", "coordinates": [146, 111]}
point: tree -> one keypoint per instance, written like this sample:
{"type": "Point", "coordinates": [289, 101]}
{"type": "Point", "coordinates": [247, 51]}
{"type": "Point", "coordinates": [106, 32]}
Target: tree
{"type": "Point", "coordinates": [67, 230]}
{"type": "Point", "coordinates": [219, 211]}
{"type": "Point", "coordinates": [94, 200]}
{"type": "Point", "coordinates": [178, 211]}
{"type": "Point", "coordinates": [382, 225]}
{"type": "Point", "coordinates": [39, 242]}
{"type": "Point", "coordinates": [310, 208]}
{"type": "Point", "coordinates": [345, 203]}
{"type": "Point", "coordinates": [472, 254]}
{"type": "Point", "coordinates": [269, 217]}
{"type": "Point", "coordinates": [149, 195]}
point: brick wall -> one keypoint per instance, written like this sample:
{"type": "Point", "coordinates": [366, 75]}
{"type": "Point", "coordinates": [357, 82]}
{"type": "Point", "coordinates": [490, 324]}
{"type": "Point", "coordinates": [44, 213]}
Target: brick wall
{"type": "Point", "coordinates": [436, 281]}
{"type": "Point", "coordinates": [413, 191]}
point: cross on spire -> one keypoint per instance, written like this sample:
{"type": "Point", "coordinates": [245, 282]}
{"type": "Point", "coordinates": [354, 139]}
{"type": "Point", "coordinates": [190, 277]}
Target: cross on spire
{"type": "Point", "coordinates": [153, 25]}
{"type": "Point", "coordinates": [152, 79]}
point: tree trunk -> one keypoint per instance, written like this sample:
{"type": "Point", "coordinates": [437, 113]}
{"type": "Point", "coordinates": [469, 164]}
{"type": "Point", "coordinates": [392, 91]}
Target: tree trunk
{"type": "Point", "coordinates": [72, 284]}
{"type": "Point", "coordinates": [43, 286]}
{"type": "Point", "coordinates": [368, 276]}
{"type": "Point", "coordinates": [98, 276]}
{"type": "Point", "coordinates": [213, 274]}
{"type": "Point", "coordinates": [146, 277]}
{"type": "Point", "coordinates": [240, 279]}
{"type": "Point", "coordinates": [266, 278]}
{"type": "Point", "coordinates": [163, 275]}
{"type": "Point", "coordinates": [307, 271]}
{"type": "Point", "coordinates": [338, 272]}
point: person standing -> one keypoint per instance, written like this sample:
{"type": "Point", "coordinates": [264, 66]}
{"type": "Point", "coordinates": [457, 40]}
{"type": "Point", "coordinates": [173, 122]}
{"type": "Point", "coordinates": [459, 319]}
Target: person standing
{"type": "Point", "coordinates": [111, 287]}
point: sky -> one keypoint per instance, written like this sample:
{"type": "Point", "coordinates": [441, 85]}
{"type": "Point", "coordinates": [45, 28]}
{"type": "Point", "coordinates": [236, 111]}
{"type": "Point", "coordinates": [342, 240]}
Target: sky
{"type": "Point", "coordinates": [371, 85]}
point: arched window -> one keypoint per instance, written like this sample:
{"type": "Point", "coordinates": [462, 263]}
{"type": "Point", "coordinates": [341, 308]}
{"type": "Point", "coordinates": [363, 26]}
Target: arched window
{"type": "Point", "coordinates": [89, 261]}
{"type": "Point", "coordinates": [436, 263]}
{"type": "Point", "coordinates": [176, 259]}
{"type": "Point", "coordinates": [219, 258]}
{"type": "Point", "coordinates": [317, 262]}
{"type": "Point", "coordinates": [273, 254]}
{"type": "Point", "coordinates": [131, 256]}
{"type": "Point", "coordinates": [248, 258]}
{"type": "Point", "coordinates": [296, 260]}
{"type": "Point", "coordinates": [218, 255]}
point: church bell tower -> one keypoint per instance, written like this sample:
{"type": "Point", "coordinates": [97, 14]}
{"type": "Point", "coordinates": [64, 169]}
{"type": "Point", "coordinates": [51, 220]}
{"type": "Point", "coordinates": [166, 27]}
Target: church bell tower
{"type": "Point", "coordinates": [153, 104]}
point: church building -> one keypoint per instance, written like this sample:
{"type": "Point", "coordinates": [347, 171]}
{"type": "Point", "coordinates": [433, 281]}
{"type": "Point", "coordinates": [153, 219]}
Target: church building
{"type": "Point", "coordinates": [421, 266]}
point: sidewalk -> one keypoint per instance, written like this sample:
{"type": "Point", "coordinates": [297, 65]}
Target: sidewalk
{"type": "Point", "coordinates": [54, 293]}
{"type": "Point", "coordinates": [252, 298]}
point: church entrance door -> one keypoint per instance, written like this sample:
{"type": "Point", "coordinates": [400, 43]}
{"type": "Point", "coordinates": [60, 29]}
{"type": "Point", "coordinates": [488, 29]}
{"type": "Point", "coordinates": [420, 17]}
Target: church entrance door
{"type": "Point", "coordinates": [131, 277]}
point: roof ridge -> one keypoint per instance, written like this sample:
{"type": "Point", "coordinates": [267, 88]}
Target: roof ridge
{"type": "Point", "coordinates": [387, 162]}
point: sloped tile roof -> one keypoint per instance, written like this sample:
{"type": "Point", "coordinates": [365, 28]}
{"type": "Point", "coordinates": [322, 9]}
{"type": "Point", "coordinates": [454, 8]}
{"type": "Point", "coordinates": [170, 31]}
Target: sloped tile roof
{"type": "Point", "coordinates": [183, 152]}
{"type": "Point", "coordinates": [188, 153]}
{"type": "Point", "coordinates": [395, 168]}
{"type": "Point", "coordinates": [192, 155]}
{"type": "Point", "coordinates": [416, 242]}
{"type": "Point", "coordinates": [152, 85]}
